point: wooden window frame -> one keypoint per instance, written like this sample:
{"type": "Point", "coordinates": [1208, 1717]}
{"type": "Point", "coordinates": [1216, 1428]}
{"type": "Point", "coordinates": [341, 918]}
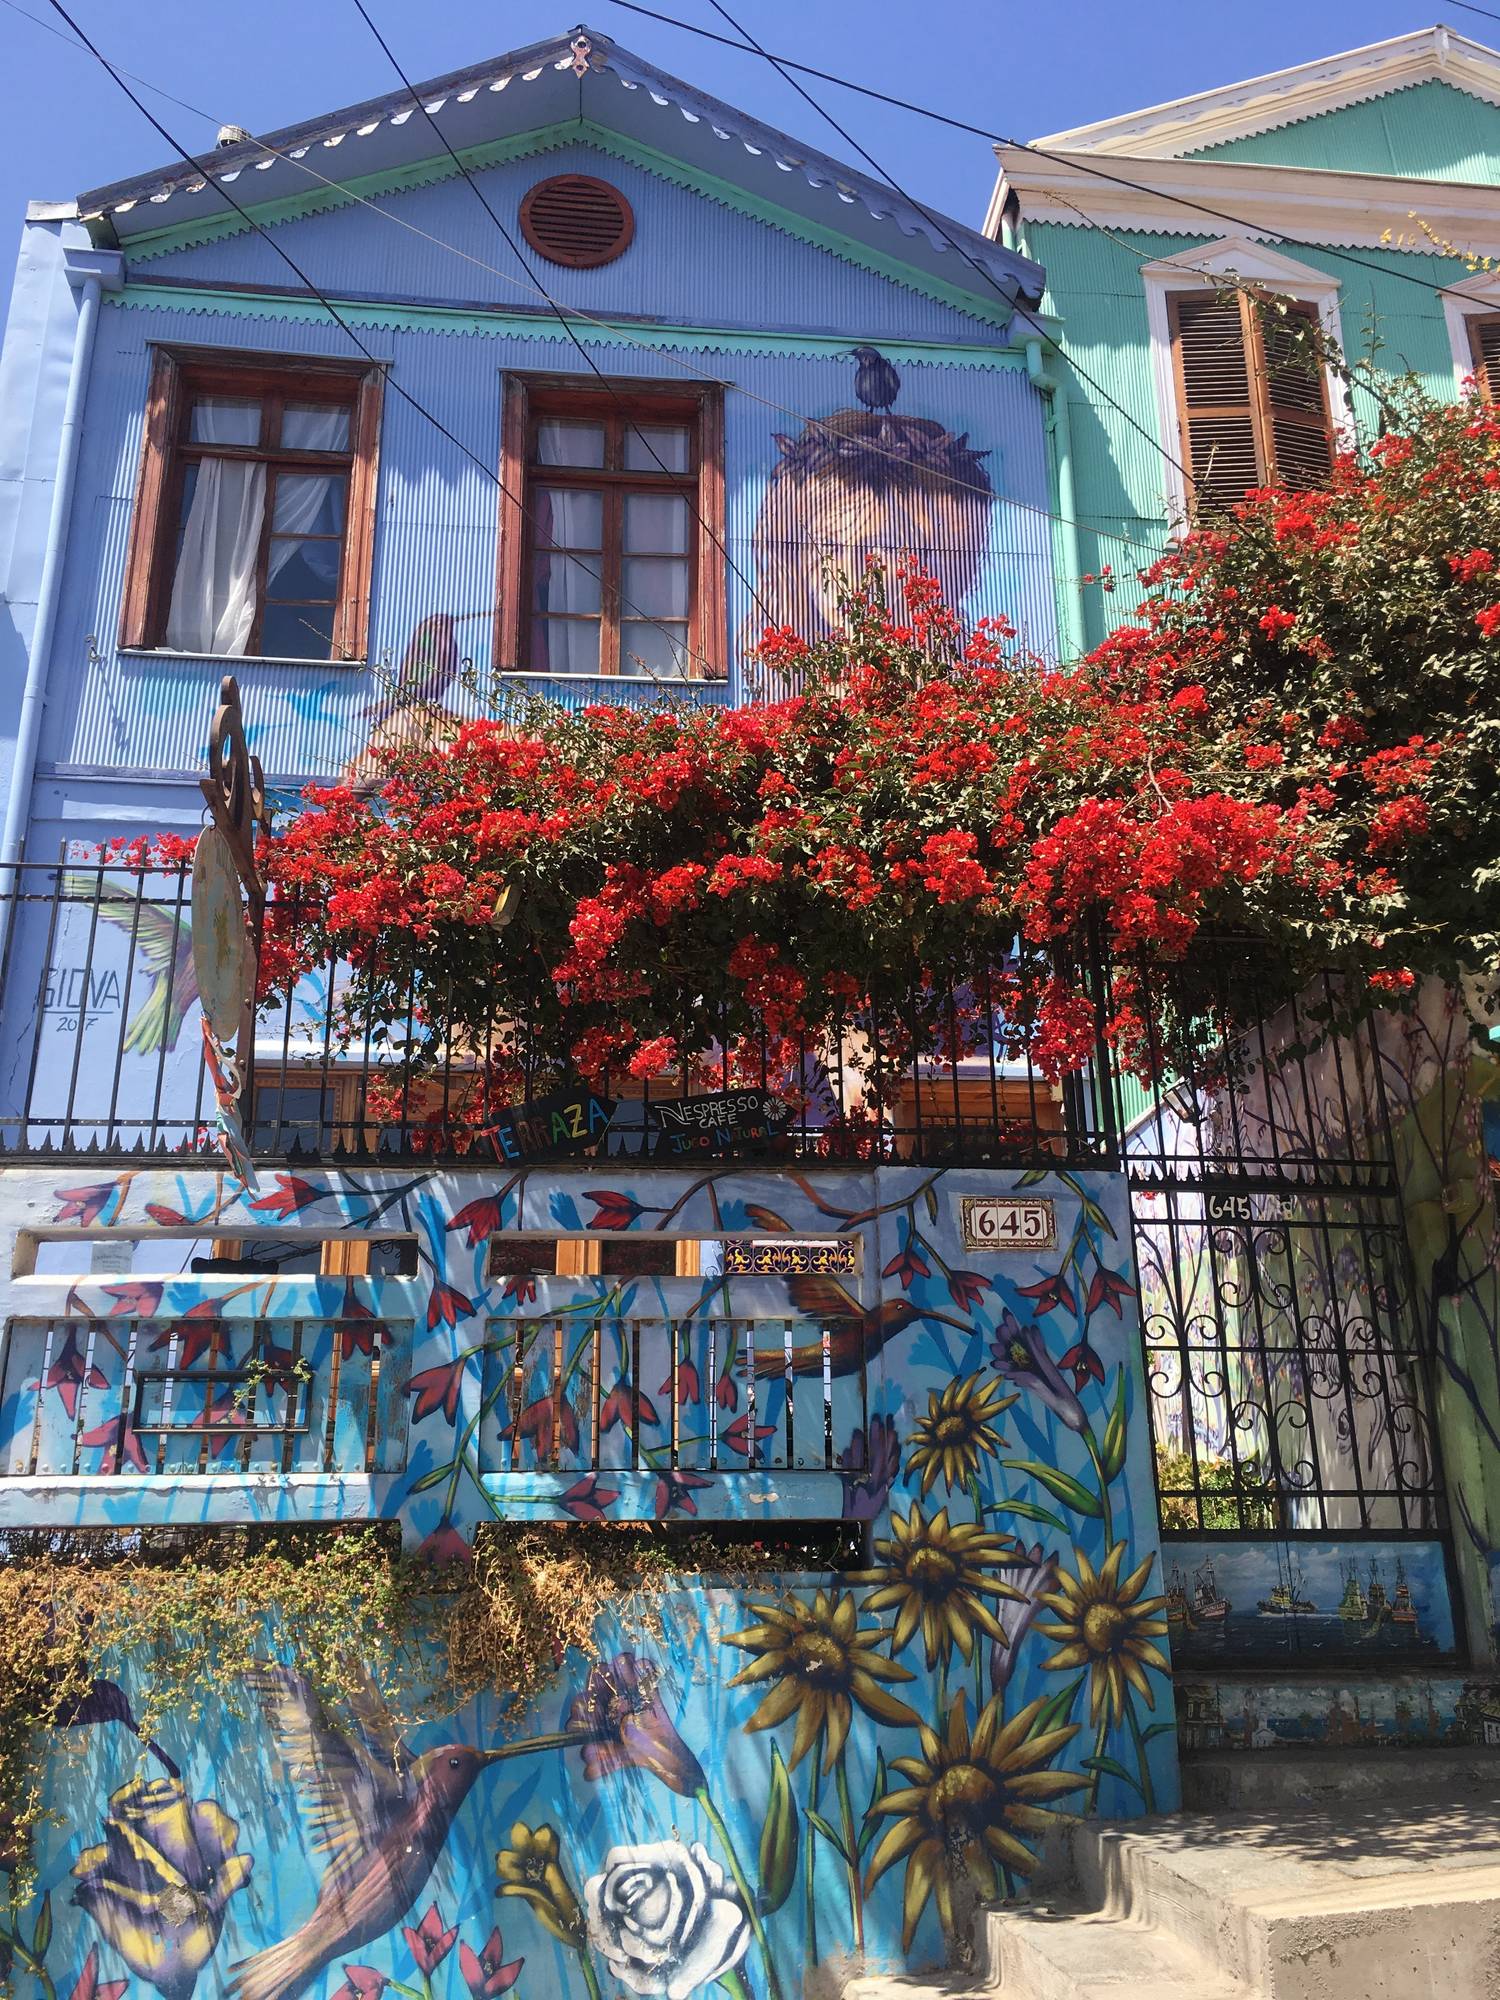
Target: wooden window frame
{"type": "Point", "coordinates": [1262, 410]}
{"type": "Point", "coordinates": [1474, 320]}
{"type": "Point", "coordinates": [179, 373]}
{"type": "Point", "coordinates": [527, 399]}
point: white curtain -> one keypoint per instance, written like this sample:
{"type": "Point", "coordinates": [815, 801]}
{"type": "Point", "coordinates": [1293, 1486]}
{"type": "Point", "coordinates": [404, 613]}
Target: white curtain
{"type": "Point", "coordinates": [213, 592]}
{"type": "Point", "coordinates": [302, 496]}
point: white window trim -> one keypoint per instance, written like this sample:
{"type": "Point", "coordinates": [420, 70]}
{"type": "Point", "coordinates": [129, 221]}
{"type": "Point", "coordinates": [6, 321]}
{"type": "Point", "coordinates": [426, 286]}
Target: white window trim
{"type": "Point", "coordinates": [1206, 267]}
{"type": "Point", "coordinates": [1461, 303]}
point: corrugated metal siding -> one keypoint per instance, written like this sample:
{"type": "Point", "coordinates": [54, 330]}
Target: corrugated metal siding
{"type": "Point", "coordinates": [691, 259]}
{"type": "Point", "coordinates": [1094, 285]}
{"type": "Point", "coordinates": [437, 527]}
{"type": "Point", "coordinates": [1430, 131]}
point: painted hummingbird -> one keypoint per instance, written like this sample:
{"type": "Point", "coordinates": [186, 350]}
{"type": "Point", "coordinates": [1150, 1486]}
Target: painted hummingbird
{"type": "Point", "coordinates": [164, 939]}
{"type": "Point", "coordinates": [380, 1819]}
{"type": "Point", "coordinates": [855, 1336]}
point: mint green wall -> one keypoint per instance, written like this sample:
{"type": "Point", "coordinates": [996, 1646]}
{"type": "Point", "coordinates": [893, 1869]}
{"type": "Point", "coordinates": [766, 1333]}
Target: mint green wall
{"type": "Point", "coordinates": [1430, 131]}
{"type": "Point", "coordinates": [1094, 286]}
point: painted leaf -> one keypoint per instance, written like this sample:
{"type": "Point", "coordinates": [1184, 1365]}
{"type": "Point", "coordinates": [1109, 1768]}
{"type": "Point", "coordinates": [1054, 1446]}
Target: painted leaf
{"type": "Point", "coordinates": [1059, 1710]}
{"type": "Point", "coordinates": [929, 1195]}
{"type": "Point", "coordinates": [1033, 1176]}
{"type": "Point", "coordinates": [1108, 1767]}
{"type": "Point", "coordinates": [1061, 1485]}
{"type": "Point", "coordinates": [767, 1219]}
{"type": "Point", "coordinates": [778, 1839]}
{"type": "Point", "coordinates": [433, 1478]}
{"type": "Point", "coordinates": [1097, 1216]}
{"type": "Point", "coordinates": [835, 1841]}
{"type": "Point", "coordinates": [1157, 1729]}
{"type": "Point", "coordinates": [1112, 1452]}
{"type": "Point", "coordinates": [1028, 1511]}
{"type": "Point", "coordinates": [41, 1937]}
{"type": "Point", "coordinates": [878, 1789]}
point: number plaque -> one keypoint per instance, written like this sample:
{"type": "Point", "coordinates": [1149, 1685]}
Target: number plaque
{"type": "Point", "coordinates": [1001, 1222]}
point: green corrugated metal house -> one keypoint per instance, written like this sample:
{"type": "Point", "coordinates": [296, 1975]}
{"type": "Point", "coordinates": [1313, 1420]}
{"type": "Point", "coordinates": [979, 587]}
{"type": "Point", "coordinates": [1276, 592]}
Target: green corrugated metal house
{"type": "Point", "coordinates": [1366, 188]}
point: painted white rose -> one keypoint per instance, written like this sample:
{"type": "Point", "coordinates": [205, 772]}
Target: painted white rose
{"type": "Point", "coordinates": [665, 1919]}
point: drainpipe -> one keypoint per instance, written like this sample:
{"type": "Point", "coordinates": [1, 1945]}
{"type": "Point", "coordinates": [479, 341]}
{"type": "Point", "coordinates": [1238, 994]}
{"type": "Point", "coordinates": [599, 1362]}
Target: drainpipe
{"type": "Point", "coordinates": [1059, 433]}
{"type": "Point", "coordinates": [90, 272]}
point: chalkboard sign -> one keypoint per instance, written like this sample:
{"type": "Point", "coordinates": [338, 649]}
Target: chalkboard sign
{"type": "Point", "coordinates": [565, 1121]}
{"type": "Point", "coordinates": [731, 1120]}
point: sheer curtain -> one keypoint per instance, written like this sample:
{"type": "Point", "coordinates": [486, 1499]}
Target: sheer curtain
{"type": "Point", "coordinates": [213, 592]}
{"type": "Point", "coordinates": [302, 497]}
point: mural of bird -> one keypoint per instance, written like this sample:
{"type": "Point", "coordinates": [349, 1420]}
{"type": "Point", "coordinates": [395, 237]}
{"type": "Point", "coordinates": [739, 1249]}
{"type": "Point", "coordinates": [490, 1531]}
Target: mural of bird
{"type": "Point", "coordinates": [107, 1701]}
{"type": "Point", "coordinates": [856, 1336]}
{"type": "Point", "coordinates": [164, 939]}
{"type": "Point", "coordinates": [380, 1819]}
{"type": "Point", "coordinates": [876, 383]}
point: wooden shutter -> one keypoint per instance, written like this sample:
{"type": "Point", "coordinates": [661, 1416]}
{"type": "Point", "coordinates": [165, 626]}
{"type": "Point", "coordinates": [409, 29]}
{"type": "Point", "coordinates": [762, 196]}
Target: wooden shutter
{"type": "Point", "coordinates": [1296, 394]}
{"type": "Point", "coordinates": [1217, 419]}
{"type": "Point", "coordinates": [1484, 347]}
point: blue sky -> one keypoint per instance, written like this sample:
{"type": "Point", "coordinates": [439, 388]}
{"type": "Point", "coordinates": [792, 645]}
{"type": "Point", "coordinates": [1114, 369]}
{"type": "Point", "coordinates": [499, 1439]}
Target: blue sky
{"type": "Point", "coordinates": [1019, 70]}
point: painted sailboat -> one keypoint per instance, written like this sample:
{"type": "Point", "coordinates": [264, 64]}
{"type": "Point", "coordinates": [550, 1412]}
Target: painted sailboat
{"type": "Point", "coordinates": [1352, 1607]}
{"type": "Point", "coordinates": [1403, 1611]}
{"type": "Point", "coordinates": [1208, 1607]}
{"type": "Point", "coordinates": [1287, 1599]}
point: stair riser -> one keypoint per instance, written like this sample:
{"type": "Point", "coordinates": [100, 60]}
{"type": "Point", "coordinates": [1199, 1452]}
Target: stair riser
{"type": "Point", "coordinates": [1114, 1875]}
{"type": "Point", "coordinates": [1434, 1952]}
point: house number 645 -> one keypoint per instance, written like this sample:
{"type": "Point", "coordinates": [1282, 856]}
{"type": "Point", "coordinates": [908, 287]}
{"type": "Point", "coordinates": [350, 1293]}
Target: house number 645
{"type": "Point", "coordinates": [992, 1222]}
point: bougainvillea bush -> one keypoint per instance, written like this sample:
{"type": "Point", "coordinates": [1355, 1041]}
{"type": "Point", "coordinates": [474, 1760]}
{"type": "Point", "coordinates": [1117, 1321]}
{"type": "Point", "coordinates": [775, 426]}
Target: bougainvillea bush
{"type": "Point", "coordinates": [1295, 747]}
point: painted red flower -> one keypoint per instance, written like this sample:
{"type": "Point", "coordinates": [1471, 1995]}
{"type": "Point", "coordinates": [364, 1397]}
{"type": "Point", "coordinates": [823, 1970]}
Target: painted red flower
{"type": "Point", "coordinates": [115, 1443]}
{"type": "Point", "coordinates": [481, 1218]}
{"type": "Point", "coordinates": [737, 1435]}
{"type": "Point", "coordinates": [90, 1986]}
{"type": "Point", "coordinates": [138, 1300]}
{"type": "Point", "coordinates": [689, 1390]}
{"type": "Point", "coordinates": [485, 1973]}
{"type": "Point", "coordinates": [169, 1218]}
{"type": "Point", "coordinates": [430, 1943]}
{"type": "Point", "coordinates": [539, 1420]}
{"type": "Point", "coordinates": [68, 1375]}
{"type": "Point", "coordinates": [1049, 1295]}
{"type": "Point", "coordinates": [623, 1405]}
{"type": "Point", "coordinates": [966, 1289]}
{"type": "Point", "coordinates": [195, 1330]}
{"type": "Point", "coordinates": [1107, 1289]}
{"type": "Point", "coordinates": [446, 1306]}
{"type": "Point", "coordinates": [674, 1491]}
{"type": "Point", "coordinates": [289, 1197]}
{"type": "Point", "coordinates": [85, 1204]}
{"type": "Point", "coordinates": [1084, 1363]}
{"type": "Point", "coordinates": [907, 1265]}
{"type": "Point", "coordinates": [612, 1208]}
{"type": "Point", "coordinates": [520, 1291]}
{"type": "Point", "coordinates": [357, 1327]}
{"type": "Point", "coordinates": [444, 1547]}
{"type": "Point", "coordinates": [437, 1389]}
{"type": "Point", "coordinates": [587, 1500]}
{"type": "Point", "coordinates": [727, 1392]}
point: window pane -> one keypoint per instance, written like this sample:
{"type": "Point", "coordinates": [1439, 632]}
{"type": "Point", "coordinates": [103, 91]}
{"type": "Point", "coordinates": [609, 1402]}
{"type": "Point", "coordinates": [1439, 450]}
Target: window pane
{"type": "Point", "coordinates": [302, 569]}
{"type": "Point", "coordinates": [562, 441]}
{"type": "Point", "coordinates": [297, 632]}
{"type": "Point", "coordinates": [565, 583]}
{"type": "Point", "coordinates": [224, 420]}
{"type": "Point", "coordinates": [309, 503]}
{"type": "Point", "coordinates": [648, 649]}
{"type": "Point", "coordinates": [656, 522]}
{"type": "Point", "coordinates": [565, 646]}
{"type": "Point", "coordinates": [568, 520]}
{"type": "Point", "coordinates": [315, 427]}
{"type": "Point", "coordinates": [656, 448]}
{"type": "Point", "coordinates": [655, 586]}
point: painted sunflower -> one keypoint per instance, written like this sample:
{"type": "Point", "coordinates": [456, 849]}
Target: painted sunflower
{"type": "Point", "coordinates": [1107, 1626]}
{"type": "Point", "coordinates": [967, 1799]}
{"type": "Point", "coordinates": [957, 1432]}
{"type": "Point", "coordinates": [822, 1662]}
{"type": "Point", "coordinates": [937, 1574]}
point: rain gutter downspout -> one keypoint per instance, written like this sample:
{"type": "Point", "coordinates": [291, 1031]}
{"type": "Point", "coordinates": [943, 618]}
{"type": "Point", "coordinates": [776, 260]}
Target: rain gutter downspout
{"type": "Point", "coordinates": [90, 272]}
{"type": "Point", "coordinates": [1060, 435]}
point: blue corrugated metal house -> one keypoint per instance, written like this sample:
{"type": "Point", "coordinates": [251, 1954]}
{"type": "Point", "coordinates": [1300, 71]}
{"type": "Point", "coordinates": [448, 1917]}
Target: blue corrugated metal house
{"type": "Point", "coordinates": [578, 403]}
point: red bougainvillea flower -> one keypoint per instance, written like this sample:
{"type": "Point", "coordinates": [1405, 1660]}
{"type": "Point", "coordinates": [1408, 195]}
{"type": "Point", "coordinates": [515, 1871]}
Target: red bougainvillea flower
{"type": "Point", "coordinates": [1084, 1363]}
{"type": "Point", "coordinates": [674, 1493]}
{"type": "Point", "coordinates": [907, 1265]}
{"type": "Point", "coordinates": [481, 1218]}
{"type": "Point", "coordinates": [437, 1389]}
{"type": "Point", "coordinates": [587, 1500]}
{"type": "Point", "coordinates": [1049, 1295]}
{"type": "Point", "coordinates": [68, 1375]}
{"type": "Point", "coordinates": [429, 1943]}
{"type": "Point", "coordinates": [1108, 1288]}
{"type": "Point", "coordinates": [446, 1305]}
{"type": "Point", "coordinates": [613, 1209]}
{"type": "Point", "coordinates": [85, 1204]}
{"type": "Point", "coordinates": [485, 1973]}
{"type": "Point", "coordinates": [289, 1197]}
{"type": "Point", "coordinates": [90, 1986]}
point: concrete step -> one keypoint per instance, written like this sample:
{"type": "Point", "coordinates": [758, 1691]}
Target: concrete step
{"type": "Point", "coordinates": [1397, 1901]}
{"type": "Point", "coordinates": [1066, 1951]}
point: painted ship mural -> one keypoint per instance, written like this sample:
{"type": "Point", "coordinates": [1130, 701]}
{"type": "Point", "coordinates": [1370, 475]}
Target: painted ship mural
{"type": "Point", "coordinates": [1332, 1600]}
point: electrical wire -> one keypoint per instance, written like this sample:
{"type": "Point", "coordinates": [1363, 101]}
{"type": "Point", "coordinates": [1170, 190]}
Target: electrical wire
{"type": "Point", "coordinates": [562, 318]}
{"type": "Point", "coordinates": [337, 317]}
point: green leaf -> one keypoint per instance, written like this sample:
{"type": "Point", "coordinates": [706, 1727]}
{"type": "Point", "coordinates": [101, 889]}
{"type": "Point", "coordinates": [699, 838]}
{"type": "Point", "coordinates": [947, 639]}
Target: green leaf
{"type": "Point", "coordinates": [929, 1195]}
{"type": "Point", "coordinates": [779, 1838]}
{"type": "Point", "coordinates": [1028, 1511]}
{"type": "Point", "coordinates": [1032, 1176]}
{"type": "Point", "coordinates": [41, 1937]}
{"type": "Point", "coordinates": [1097, 1216]}
{"type": "Point", "coordinates": [817, 1820]}
{"type": "Point", "coordinates": [1110, 1768]}
{"type": "Point", "coordinates": [878, 1790]}
{"type": "Point", "coordinates": [1112, 1452]}
{"type": "Point", "coordinates": [1059, 1710]}
{"type": "Point", "coordinates": [433, 1478]}
{"type": "Point", "coordinates": [1061, 1485]}
{"type": "Point", "coordinates": [1157, 1729]}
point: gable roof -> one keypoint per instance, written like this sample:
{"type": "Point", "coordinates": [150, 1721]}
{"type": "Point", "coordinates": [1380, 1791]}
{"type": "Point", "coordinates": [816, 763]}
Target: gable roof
{"type": "Point", "coordinates": [579, 76]}
{"type": "Point", "coordinates": [1287, 96]}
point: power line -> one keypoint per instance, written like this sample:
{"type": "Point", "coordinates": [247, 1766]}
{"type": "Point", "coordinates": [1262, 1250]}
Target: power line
{"type": "Point", "coordinates": [562, 318]}
{"type": "Point", "coordinates": [337, 317]}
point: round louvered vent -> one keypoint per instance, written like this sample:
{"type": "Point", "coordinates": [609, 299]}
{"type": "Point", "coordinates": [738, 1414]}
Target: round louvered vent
{"type": "Point", "coordinates": [574, 219]}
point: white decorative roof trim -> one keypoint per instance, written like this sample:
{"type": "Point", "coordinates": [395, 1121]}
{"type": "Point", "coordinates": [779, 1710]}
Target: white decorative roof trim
{"type": "Point", "coordinates": [1245, 198]}
{"type": "Point", "coordinates": [1287, 96]}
